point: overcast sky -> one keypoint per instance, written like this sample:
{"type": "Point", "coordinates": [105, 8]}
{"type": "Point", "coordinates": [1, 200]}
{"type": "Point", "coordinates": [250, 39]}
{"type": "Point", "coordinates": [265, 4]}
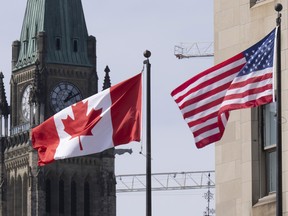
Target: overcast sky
{"type": "Point", "coordinates": [124, 30]}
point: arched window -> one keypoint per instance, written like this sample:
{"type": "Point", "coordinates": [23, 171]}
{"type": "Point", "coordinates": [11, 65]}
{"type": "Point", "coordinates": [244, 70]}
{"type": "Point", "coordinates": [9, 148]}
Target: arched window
{"type": "Point", "coordinates": [86, 199]}
{"type": "Point", "coordinates": [48, 195]}
{"type": "Point", "coordinates": [25, 190]}
{"type": "Point", "coordinates": [10, 199]}
{"type": "Point", "coordinates": [73, 198]}
{"type": "Point", "coordinates": [61, 197]}
{"type": "Point", "coordinates": [18, 197]}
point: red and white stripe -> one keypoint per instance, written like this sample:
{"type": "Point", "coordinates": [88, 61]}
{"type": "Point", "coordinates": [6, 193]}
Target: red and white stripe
{"type": "Point", "coordinates": [206, 99]}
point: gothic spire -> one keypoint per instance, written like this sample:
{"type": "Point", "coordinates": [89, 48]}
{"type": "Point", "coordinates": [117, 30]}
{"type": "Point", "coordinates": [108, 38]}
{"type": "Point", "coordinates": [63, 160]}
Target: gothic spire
{"type": "Point", "coordinates": [107, 82]}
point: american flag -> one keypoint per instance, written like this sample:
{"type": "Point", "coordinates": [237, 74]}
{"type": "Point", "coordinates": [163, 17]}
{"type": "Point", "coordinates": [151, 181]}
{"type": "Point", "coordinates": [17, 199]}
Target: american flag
{"type": "Point", "coordinates": [243, 81]}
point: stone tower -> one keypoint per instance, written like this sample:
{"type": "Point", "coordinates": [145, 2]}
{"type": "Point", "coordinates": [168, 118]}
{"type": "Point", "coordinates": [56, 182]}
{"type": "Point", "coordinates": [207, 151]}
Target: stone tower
{"type": "Point", "coordinates": [53, 66]}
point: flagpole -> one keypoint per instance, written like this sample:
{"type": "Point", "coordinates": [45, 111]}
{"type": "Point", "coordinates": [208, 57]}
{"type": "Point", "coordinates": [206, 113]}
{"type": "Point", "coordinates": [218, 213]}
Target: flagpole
{"type": "Point", "coordinates": [147, 54]}
{"type": "Point", "coordinates": [279, 209]}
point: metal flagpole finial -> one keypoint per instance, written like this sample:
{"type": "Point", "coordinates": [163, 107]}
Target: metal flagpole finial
{"type": "Point", "coordinates": [147, 54]}
{"type": "Point", "coordinates": [278, 8]}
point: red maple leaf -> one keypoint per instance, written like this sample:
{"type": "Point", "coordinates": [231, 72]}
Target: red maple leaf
{"type": "Point", "coordinates": [82, 124]}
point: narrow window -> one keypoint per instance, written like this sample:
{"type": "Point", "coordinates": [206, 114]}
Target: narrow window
{"type": "Point", "coordinates": [27, 34]}
{"type": "Point", "coordinates": [11, 197]}
{"type": "Point", "coordinates": [269, 147]}
{"type": "Point", "coordinates": [34, 42]}
{"type": "Point", "coordinates": [263, 148]}
{"type": "Point", "coordinates": [36, 30]}
{"type": "Point", "coordinates": [58, 44]}
{"type": "Point", "coordinates": [48, 196]}
{"type": "Point", "coordinates": [25, 47]}
{"type": "Point", "coordinates": [86, 199]}
{"type": "Point", "coordinates": [25, 190]}
{"type": "Point", "coordinates": [73, 198]}
{"type": "Point", "coordinates": [271, 171]}
{"type": "Point", "coordinates": [18, 197]}
{"type": "Point", "coordinates": [61, 197]}
{"type": "Point", "coordinates": [75, 45]}
{"type": "Point", "coordinates": [26, 41]}
{"type": "Point", "coordinates": [34, 45]}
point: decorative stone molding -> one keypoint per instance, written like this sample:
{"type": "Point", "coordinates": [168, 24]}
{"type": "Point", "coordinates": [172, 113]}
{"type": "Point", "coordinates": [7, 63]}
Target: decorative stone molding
{"type": "Point", "coordinates": [17, 163]}
{"type": "Point", "coordinates": [24, 76]}
{"type": "Point", "coordinates": [81, 73]}
{"type": "Point", "coordinates": [82, 160]}
{"type": "Point", "coordinates": [17, 139]}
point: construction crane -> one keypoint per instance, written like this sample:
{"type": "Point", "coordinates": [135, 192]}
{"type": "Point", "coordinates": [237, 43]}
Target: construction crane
{"type": "Point", "coordinates": [188, 50]}
{"type": "Point", "coordinates": [166, 181]}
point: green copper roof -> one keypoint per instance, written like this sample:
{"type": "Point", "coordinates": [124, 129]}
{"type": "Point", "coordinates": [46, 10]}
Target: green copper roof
{"type": "Point", "coordinates": [64, 25]}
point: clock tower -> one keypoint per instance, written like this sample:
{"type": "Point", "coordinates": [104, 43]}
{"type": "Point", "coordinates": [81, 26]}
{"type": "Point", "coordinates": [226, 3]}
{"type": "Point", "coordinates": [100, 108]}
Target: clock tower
{"type": "Point", "coordinates": [53, 66]}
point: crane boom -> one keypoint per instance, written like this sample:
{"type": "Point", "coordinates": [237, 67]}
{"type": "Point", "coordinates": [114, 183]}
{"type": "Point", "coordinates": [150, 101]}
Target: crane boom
{"type": "Point", "coordinates": [188, 50]}
{"type": "Point", "coordinates": [166, 181]}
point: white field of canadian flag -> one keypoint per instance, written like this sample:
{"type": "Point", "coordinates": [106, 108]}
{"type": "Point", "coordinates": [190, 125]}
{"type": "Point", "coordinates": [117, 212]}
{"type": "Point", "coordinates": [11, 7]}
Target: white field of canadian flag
{"type": "Point", "coordinates": [102, 121]}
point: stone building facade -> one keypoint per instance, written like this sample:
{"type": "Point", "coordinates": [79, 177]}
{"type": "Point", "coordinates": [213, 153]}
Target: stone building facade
{"type": "Point", "coordinates": [246, 155]}
{"type": "Point", "coordinates": [53, 66]}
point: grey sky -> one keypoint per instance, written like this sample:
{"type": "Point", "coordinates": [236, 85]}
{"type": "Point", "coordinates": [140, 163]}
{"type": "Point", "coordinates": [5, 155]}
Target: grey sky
{"type": "Point", "coordinates": [124, 30]}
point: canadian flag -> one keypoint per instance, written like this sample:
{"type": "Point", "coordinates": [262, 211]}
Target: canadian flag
{"type": "Point", "coordinates": [102, 121]}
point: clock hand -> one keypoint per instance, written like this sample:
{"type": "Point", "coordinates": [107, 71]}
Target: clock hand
{"type": "Point", "coordinates": [70, 96]}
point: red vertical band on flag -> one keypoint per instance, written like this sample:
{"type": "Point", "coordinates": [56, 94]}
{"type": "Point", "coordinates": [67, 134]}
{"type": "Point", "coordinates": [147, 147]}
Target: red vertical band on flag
{"type": "Point", "coordinates": [47, 141]}
{"type": "Point", "coordinates": [126, 110]}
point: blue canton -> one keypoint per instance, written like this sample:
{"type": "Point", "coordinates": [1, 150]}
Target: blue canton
{"type": "Point", "coordinates": [259, 56]}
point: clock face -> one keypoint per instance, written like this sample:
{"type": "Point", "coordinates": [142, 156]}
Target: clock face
{"type": "Point", "coordinates": [25, 103]}
{"type": "Point", "coordinates": [63, 95]}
